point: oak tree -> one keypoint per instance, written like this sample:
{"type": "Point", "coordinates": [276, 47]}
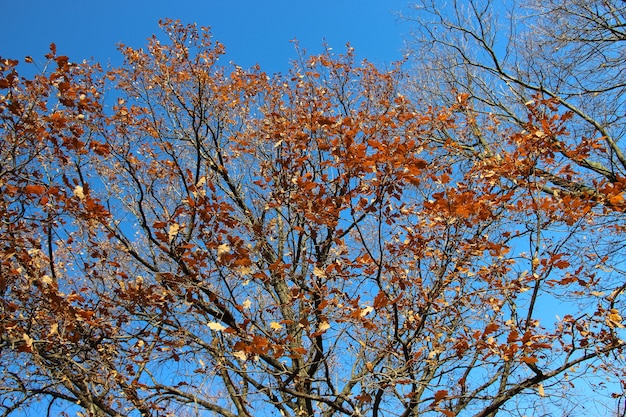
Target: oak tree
{"type": "Point", "coordinates": [185, 237]}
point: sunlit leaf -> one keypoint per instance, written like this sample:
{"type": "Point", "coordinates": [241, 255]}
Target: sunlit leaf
{"type": "Point", "coordinates": [78, 192]}
{"type": "Point", "coordinates": [240, 355]}
{"type": "Point", "coordinates": [223, 249]}
{"type": "Point", "coordinates": [318, 272]}
{"type": "Point", "coordinates": [216, 326]}
{"type": "Point", "coordinates": [323, 326]}
{"type": "Point", "coordinates": [540, 390]}
{"type": "Point", "coordinates": [173, 231]}
{"type": "Point", "coordinates": [366, 310]}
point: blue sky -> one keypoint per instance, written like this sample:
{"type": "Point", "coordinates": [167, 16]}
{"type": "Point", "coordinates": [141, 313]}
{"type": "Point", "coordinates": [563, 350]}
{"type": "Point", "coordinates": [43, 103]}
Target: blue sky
{"type": "Point", "coordinates": [253, 31]}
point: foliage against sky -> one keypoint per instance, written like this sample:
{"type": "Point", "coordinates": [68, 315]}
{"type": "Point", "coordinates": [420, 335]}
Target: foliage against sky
{"type": "Point", "coordinates": [184, 236]}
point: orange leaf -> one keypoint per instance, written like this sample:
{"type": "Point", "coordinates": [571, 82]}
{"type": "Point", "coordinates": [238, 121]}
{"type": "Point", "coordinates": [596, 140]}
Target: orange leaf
{"type": "Point", "coordinates": [491, 327]}
{"type": "Point", "coordinates": [364, 398]}
{"type": "Point", "coordinates": [440, 396]}
{"type": "Point", "coordinates": [380, 301]}
{"type": "Point", "coordinates": [35, 189]}
{"type": "Point", "coordinates": [562, 264]}
{"type": "Point", "coordinates": [616, 200]}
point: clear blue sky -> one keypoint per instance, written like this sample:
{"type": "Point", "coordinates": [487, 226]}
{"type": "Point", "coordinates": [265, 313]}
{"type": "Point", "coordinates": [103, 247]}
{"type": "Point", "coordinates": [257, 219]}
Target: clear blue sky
{"type": "Point", "coordinates": [253, 31]}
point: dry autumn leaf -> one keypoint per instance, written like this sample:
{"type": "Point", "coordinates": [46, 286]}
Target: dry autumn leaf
{"type": "Point", "coordinates": [173, 231]}
{"type": "Point", "coordinates": [78, 192]}
{"type": "Point", "coordinates": [222, 249]}
{"type": "Point", "coordinates": [614, 319]}
{"type": "Point", "coordinates": [240, 355]}
{"type": "Point", "coordinates": [323, 326]}
{"type": "Point", "coordinates": [318, 272]}
{"type": "Point", "coordinates": [216, 326]}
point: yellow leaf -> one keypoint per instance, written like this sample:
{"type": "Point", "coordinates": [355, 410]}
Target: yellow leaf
{"type": "Point", "coordinates": [364, 312]}
{"type": "Point", "coordinates": [78, 192]}
{"type": "Point", "coordinates": [28, 340]}
{"type": "Point", "coordinates": [241, 355]}
{"type": "Point", "coordinates": [244, 270]}
{"type": "Point", "coordinates": [247, 303]}
{"type": "Point", "coordinates": [213, 325]}
{"type": "Point", "coordinates": [222, 249]}
{"type": "Point", "coordinates": [323, 326]}
{"type": "Point", "coordinates": [276, 326]}
{"type": "Point", "coordinates": [173, 231]}
{"type": "Point", "coordinates": [614, 319]}
{"type": "Point", "coordinates": [319, 272]}
{"type": "Point", "coordinates": [540, 390]}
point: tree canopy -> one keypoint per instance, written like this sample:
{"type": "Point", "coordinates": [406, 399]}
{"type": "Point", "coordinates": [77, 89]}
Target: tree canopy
{"type": "Point", "coordinates": [185, 237]}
